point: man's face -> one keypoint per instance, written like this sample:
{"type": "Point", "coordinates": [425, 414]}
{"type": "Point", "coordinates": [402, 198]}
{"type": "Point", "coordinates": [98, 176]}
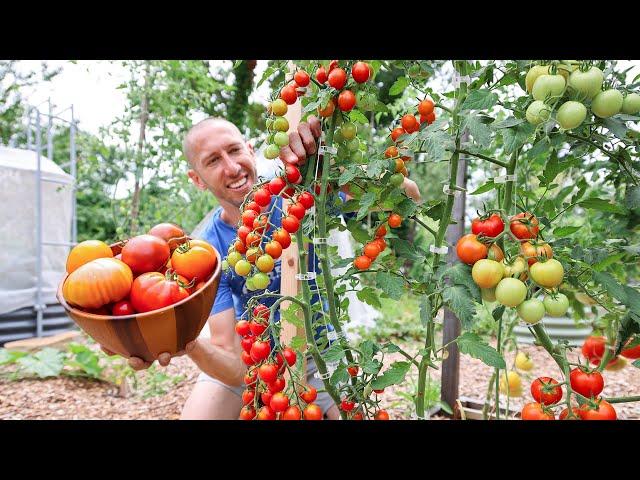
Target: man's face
{"type": "Point", "coordinates": [222, 162]}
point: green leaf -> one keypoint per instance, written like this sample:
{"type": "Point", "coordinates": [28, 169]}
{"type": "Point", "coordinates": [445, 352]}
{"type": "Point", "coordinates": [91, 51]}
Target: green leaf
{"type": "Point", "coordinates": [394, 375]}
{"type": "Point", "coordinates": [484, 188]}
{"type": "Point", "coordinates": [369, 296]}
{"type": "Point", "coordinates": [624, 294]}
{"type": "Point", "coordinates": [636, 364]}
{"type": "Point", "coordinates": [371, 367]}
{"type": "Point", "coordinates": [632, 197]}
{"type": "Point", "coordinates": [334, 353]}
{"type": "Point", "coordinates": [390, 284]}
{"type": "Point", "coordinates": [358, 231]}
{"type": "Point", "coordinates": [425, 311]}
{"type": "Point", "coordinates": [460, 274]}
{"type": "Point", "coordinates": [610, 260]}
{"type": "Point", "coordinates": [445, 406]}
{"type": "Point", "coordinates": [471, 344]}
{"type": "Point", "coordinates": [405, 249]}
{"type": "Point", "coordinates": [507, 122]}
{"type": "Point", "coordinates": [358, 116]}
{"type": "Point", "coordinates": [480, 100]}
{"type": "Point", "coordinates": [498, 312]}
{"type": "Point", "coordinates": [565, 231]}
{"type": "Point", "coordinates": [399, 86]}
{"type": "Point", "coordinates": [616, 127]}
{"type": "Point", "coordinates": [602, 205]}
{"type": "Point", "coordinates": [478, 130]}
{"type": "Point", "coordinates": [48, 362]}
{"type": "Point", "coordinates": [516, 137]}
{"type": "Point", "coordinates": [348, 174]}
{"type": "Point", "coordinates": [290, 315]}
{"type": "Point", "coordinates": [8, 357]}
{"type": "Point", "coordinates": [391, 348]}
{"type": "Point", "coordinates": [298, 342]}
{"type": "Point", "coordinates": [340, 375]}
{"type": "Point", "coordinates": [435, 143]}
{"type": "Point", "coordinates": [367, 200]}
{"type": "Point", "coordinates": [460, 302]}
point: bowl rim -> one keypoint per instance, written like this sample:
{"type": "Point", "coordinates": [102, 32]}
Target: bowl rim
{"type": "Point", "coordinates": [216, 274]}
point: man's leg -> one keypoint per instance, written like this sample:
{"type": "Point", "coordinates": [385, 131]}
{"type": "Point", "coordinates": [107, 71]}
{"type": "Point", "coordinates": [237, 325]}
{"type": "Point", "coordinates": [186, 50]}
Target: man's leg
{"type": "Point", "coordinates": [211, 400]}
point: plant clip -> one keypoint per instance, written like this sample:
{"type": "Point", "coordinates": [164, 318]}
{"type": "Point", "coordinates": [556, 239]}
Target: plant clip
{"type": "Point", "coordinates": [504, 179]}
{"type": "Point", "coordinates": [458, 80]}
{"type": "Point", "coordinates": [439, 250]}
{"type": "Point", "coordinates": [319, 240]}
{"type": "Point", "coordinates": [332, 335]}
{"type": "Point", "coordinates": [326, 149]}
{"type": "Point", "coordinates": [306, 276]}
{"type": "Point", "coordinates": [448, 191]}
{"type": "Point", "coordinates": [322, 376]}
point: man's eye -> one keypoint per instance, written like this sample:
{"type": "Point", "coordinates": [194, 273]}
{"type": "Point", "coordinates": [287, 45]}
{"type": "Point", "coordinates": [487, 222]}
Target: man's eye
{"type": "Point", "coordinates": [235, 150]}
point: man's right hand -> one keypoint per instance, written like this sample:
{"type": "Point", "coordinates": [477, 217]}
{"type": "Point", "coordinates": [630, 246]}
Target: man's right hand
{"type": "Point", "coordinates": [164, 358]}
{"type": "Point", "coordinates": [302, 141]}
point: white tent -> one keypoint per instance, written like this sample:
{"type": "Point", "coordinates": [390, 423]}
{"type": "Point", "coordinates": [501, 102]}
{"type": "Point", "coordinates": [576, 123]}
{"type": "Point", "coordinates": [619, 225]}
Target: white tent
{"type": "Point", "coordinates": [18, 227]}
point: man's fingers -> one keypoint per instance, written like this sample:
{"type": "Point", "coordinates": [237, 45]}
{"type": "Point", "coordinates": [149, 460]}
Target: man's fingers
{"type": "Point", "coordinates": [107, 351]}
{"type": "Point", "coordinates": [164, 359]}
{"type": "Point", "coordinates": [314, 124]}
{"type": "Point", "coordinates": [138, 364]}
{"type": "Point", "coordinates": [287, 155]}
{"type": "Point", "coordinates": [307, 138]}
{"type": "Point", "coordinates": [296, 146]}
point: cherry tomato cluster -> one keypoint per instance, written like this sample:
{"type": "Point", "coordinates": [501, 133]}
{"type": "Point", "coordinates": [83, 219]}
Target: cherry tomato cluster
{"type": "Point", "coordinates": [254, 252]}
{"type": "Point", "coordinates": [574, 86]}
{"type": "Point", "coordinates": [503, 279]}
{"type": "Point", "coordinates": [337, 79]}
{"type": "Point", "coordinates": [376, 246]}
{"type": "Point", "coordinates": [152, 271]}
{"type": "Point", "coordinates": [267, 396]}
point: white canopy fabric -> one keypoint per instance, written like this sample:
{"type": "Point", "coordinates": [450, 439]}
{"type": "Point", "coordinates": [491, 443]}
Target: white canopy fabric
{"type": "Point", "coordinates": [18, 217]}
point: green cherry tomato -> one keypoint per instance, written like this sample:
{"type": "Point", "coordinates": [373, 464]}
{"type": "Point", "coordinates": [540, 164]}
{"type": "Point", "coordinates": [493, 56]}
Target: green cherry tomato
{"type": "Point", "coordinates": [242, 267]}
{"type": "Point", "coordinates": [631, 104]}
{"type": "Point", "coordinates": [548, 86]}
{"type": "Point", "coordinates": [533, 74]}
{"type": "Point", "coordinates": [349, 130]}
{"type": "Point", "coordinates": [556, 307]}
{"type": "Point", "coordinates": [353, 145]}
{"type": "Point", "coordinates": [250, 285]}
{"type": "Point", "coordinates": [269, 123]}
{"type": "Point", "coordinates": [511, 292]}
{"type": "Point", "coordinates": [337, 136]}
{"type": "Point", "coordinates": [487, 273]}
{"type": "Point", "coordinates": [272, 151]}
{"type": "Point", "coordinates": [607, 103]}
{"type": "Point", "coordinates": [281, 124]}
{"type": "Point", "coordinates": [281, 139]}
{"type": "Point", "coordinates": [396, 179]}
{"type": "Point", "coordinates": [225, 265]}
{"type": "Point", "coordinates": [571, 115]}
{"type": "Point", "coordinates": [531, 311]}
{"type": "Point", "coordinates": [356, 157]}
{"type": "Point", "coordinates": [548, 274]}
{"type": "Point", "coordinates": [538, 112]}
{"type": "Point", "coordinates": [587, 83]}
{"type": "Point", "coordinates": [234, 257]}
{"type": "Point", "coordinates": [261, 280]}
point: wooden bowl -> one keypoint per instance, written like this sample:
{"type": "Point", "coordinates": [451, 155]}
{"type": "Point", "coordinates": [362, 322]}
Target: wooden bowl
{"type": "Point", "coordinates": [146, 335]}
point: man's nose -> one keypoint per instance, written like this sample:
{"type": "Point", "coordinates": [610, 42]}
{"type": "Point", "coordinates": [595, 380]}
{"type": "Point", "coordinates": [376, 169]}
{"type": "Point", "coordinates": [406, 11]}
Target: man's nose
{"type": "Point", "coordinates": [231, 166]}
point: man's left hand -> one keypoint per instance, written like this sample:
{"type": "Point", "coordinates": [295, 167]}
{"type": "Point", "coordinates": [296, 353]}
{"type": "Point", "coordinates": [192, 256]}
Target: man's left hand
{"type": "Point", "coordinates": [302, 142]}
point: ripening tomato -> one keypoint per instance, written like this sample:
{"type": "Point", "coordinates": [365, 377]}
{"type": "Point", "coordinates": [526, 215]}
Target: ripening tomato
{"type": "Point", "coordinates": [152, 291]}
{"type": "Point", "coordinates": [381, 231]}
{"type": "Point", "coordinates": [247, 413]}
{"type": "Point", "coordinates": [633, 352]}
{"type": "Point", "coordinates": [265, 263]}
{"type": "Point", "coordinates": [252, 240]}
{"type": "Point", "coordinates": [309, 394]}
{"type": "Point", "coordinates": [346, 100]}
{"type": "Point", "coordinates": [86, 251]}
{"type": "Point", "coordinates": [321, 74]}
{"type": "Point", "coordinates": [394, 220]}
{"type": "Point", "coordinates": [248, 216]}
{"type": "Point", "coordinates": [247, 359]}
{"type": "Point", "coordinates": [545, 390]}
{"type": "Point", "coordinates": [243, 231]}
{"type": "Point", "coordinates": [291, 224]}
{"type": "Point", "coordinates": [564, 414]}
{"type": "Point", "coordinates": [511, 292]}
{"type": "Point", "coordinates": [603, 411]}
{"type": "Point", "coordinates": [607, 103]}
{"type": "Point", "coordinates": [490, 226]}
{"type": "Point", "coordinates": [548, 274]}
{"type": "Point", "coordinates": [240, 247]}
{"type": "Point", "coordinates": [353, 371]}
{"type": "Point", "coordinates": [531, 311]}
{"type": "Point", "coordinates": [409, 123]}
{"type": "Point", "coordinates": [265, 397]}
{"type": "Point", "coordinates": [534, 411]}
{"type": "Point", "coordinates": [347, 405]}
{"type": "Point", "coordinates": [274, 249]}
{"type": "Point", "coordinates": [396, 132]}
{"type": "Point", "coordinates": [587, 384]}
{"type": "Point", "coordinates": [328, 110]}
{"type": "Point", "coordinates": [391, 152]}
{"type": "Point", "coordinates": [145, 253]}
{"type": "Point", "coordinates": [262, 196]}
{"type": "Point", "coordinates": [97, 283]}
{"type": "Point", "coordinates": [538, 249]}
{"type": "Point", "coordinates": [495, 253]}
{"type": "Point", "coordinates": [279, 402]}
{"type": "Point", "coordinates": [279, 107]}
{"type": "Point", "coordinates": [282, 237]}
{"type": "Point", "coordinates": [470, 250]}
{"type": "Point", "coordinates": [166, 231]}
{"type": "Point", "coordinates": [123, 307]}
{"type": "Point", "coordinates": [371, 250]}
{"type": "Point", "coordinates": [253, 206]}
{"type": "Point", "coordinates": [260, 350]}
{"type": "Point", "coordinates": [292, 173]}
{"type": "Point", "coordinates": [261, 224]}
{"type": "Point", "coordinates": [524, 226]}
{"type": "Point", "coordinates": [487, 273]}
{"type": "Point", "coordinates": [381, 415]}
{"type": "Point", "coordinates": [360, 72]}
{"type": "Point", "coordinates": [556, 305]}
{"type": "Point", "coordinates": [266, 413]}
{"type": "Point", "coordinates": [381, 243]}
{"type": "Point", "coordinates": [193, 261]}
{"type": "Point", "coordinates": [312, 412]}
{"type": "Point", "coordinates": [425, 107]}
{"type": "Point", "coordinates": [242, 328]}
{"type": "Point", "coordinates": [289, 94]}
{"type": "Point", "coordinates": [248, 396]}
{"type": "Point", "coordinates": [291, 413]}
{"type": "Point", "coordinates": [593, 348]}
{"type": "Point", "coordinates": [247, 342]}
{"type": "Point", "coordinates": [290, 356]}
{"type": "Point", "coordinates": [362, 262]}
{"type": "Point", "coordinates": [337, 78]}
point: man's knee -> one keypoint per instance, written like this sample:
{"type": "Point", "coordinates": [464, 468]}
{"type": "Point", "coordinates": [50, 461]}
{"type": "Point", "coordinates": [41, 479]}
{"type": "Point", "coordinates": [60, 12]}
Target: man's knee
{"type": "Point", "coordinates": [211, 401]}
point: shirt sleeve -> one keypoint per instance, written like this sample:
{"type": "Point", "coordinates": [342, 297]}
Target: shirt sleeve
{"type": "Point", "coordinates": [224, 298]}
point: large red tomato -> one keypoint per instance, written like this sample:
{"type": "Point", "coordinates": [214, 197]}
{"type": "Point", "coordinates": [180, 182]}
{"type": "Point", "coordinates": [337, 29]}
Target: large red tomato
{"type": "Point", "coordinates": [166, 231]}
{"type": "Point", "coordinates": [470, 250]}
{"type": "Point", "coordinates": [145, 253]}
{"type": "Point", "coordinates": [491, 226]}
{"type": "Point", "coordinates": [152, 290]}
{"type": "Point", "coordinates": [633, 352]}
{"type": "Point", "coordinates": [604, 411]}
{"type": "Point", "coordinates": [593, 348]}
{"type": "Point", "coordinates": [524, 225]}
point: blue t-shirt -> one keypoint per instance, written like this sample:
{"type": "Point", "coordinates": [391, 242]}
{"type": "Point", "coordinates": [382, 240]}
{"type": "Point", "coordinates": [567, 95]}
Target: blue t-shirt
{"type": "Point", "coordinates": [232, 291]}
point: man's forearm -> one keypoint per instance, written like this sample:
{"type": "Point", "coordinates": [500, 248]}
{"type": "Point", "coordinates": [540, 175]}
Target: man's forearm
{"type": "Point", "coordinates": [215, 361]}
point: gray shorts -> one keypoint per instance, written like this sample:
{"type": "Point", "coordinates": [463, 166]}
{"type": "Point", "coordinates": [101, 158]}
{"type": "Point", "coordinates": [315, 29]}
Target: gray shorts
{"type": "Point", "coordinates": [324, 400]}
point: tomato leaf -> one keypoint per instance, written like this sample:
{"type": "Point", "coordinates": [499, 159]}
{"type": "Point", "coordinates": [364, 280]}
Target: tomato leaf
{"type": "Point", "coordinates": [602, 205]}
{"type": "Point", "coordinates": [334, 353]}
{"type": "Point", "coordinates": [479, 131]}
{"type": "Point", "coordinates": [290, 315]}
{"type": "Point", "coordinates": [399, 86]}
{"type": "Point", "coordinates": [348, 174]}
{"type": "Point", "coordinates": [425, 311]}
{"type": "Point", "coordinates": [632, 197]}
{"type": "Point", "coordinates": [480, 100]}
{"type": "Point", "coordinates": [358, 116]}
{"type": "Point", "coordinates": [390, 284]}
{"type": "Point", "coordinates": [610, 260]}
{"type": "Point", "coordinates": [623, 293]}
{"type": "Point", "coordinates": [48, 362]}
{"type": "Point", "coordinates": [460, 274]}
{"type": "Point", "coordinates": [405, 249]}
{"type": "Point", "coordinates": [436, 143]}
{"type": "Point", "coordinates": [565, 231]}
{"type": "Point", "coordinates": [616, 127]}
{"type": "Point", "coordinates": [471, 344]}
{"type": "Point", "coordinates": [369, 296]}
{"type": "Point", "coordinates": [367, 200]}
{"type": "Point", "coordinates": [371, 367]}
{"type": "Point", "coordinates": [340, 375]}
{"type": "Point", "coordinates": [390, 348]}
{"type": "Point", "coordinates": [459, 301]}
{"type": "Point", "coordinates": [394, 375]}
{"type": "Point", "coordinates": [516, 137]}
{"type": "Point", "coordinates": [510, 121]}
{"type": "Point", "coordinates": [636, 363]}
{"type": "Point", "coordinates": [298, 342]}
{"type": "Point", "coordinates": [484, 188]}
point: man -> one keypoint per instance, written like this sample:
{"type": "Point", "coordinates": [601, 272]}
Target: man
{"type": "Point", "coordinates": [222, 162]}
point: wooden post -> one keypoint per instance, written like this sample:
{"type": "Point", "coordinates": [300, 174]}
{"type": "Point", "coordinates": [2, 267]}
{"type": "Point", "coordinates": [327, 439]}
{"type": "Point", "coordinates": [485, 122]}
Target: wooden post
{"type": "Point", "coordinates": [449, 388]}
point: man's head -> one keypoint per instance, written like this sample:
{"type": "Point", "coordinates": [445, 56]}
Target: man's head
{"type": "Point", "coordinates": [221, 160]}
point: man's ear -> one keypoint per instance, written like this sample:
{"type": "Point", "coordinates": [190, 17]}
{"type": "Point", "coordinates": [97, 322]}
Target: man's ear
{"type": "Point", "coordinates": [197, 181]}
{"type": "Point", "coordinates": [250, 148]}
